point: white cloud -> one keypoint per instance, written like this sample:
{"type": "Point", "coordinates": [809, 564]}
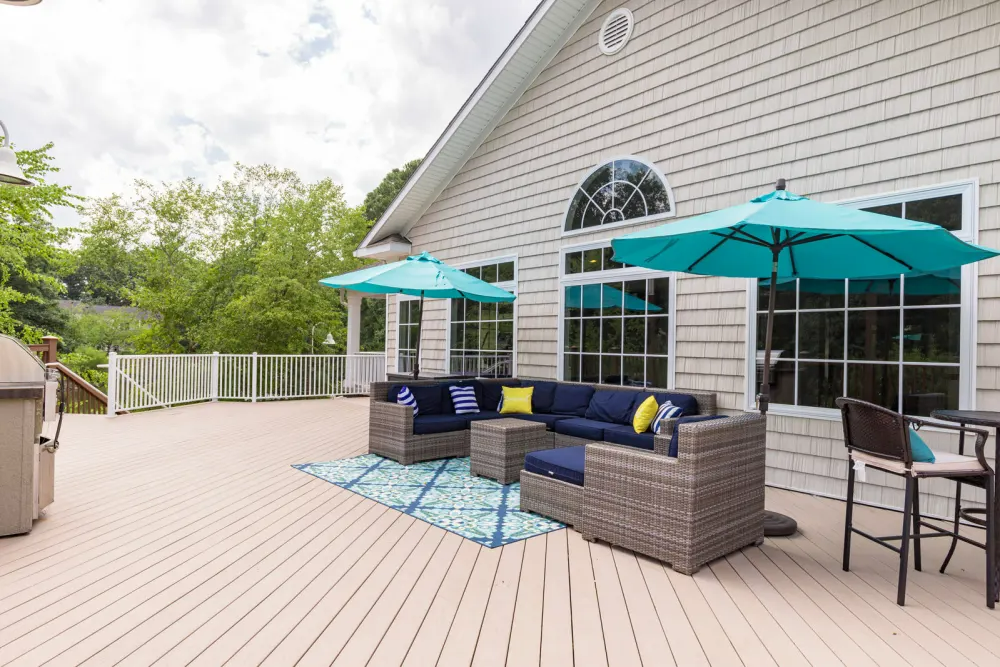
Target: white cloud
{"type": "Point", "coordinates": [162, 89]}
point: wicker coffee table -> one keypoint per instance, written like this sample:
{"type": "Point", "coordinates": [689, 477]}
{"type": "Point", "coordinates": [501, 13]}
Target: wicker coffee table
{"type": "Point", "coordinates": [498, 447]}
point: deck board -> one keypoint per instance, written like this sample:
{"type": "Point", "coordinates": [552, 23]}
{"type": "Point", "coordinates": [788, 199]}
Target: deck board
{"type": "Point", "coordinates": [184, 536]}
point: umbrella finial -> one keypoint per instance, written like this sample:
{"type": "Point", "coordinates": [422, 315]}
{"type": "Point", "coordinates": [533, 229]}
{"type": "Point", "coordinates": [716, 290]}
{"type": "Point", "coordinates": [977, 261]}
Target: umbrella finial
{"type": "Point", "coordinates": [780, 184]}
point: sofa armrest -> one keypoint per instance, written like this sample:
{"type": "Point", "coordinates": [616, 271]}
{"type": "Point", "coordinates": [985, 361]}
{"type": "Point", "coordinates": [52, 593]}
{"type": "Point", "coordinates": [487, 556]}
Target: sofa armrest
{"type": "Point", "coordinates": [661, 442]}
{"type": "Point", "coordinates": [391, 418]}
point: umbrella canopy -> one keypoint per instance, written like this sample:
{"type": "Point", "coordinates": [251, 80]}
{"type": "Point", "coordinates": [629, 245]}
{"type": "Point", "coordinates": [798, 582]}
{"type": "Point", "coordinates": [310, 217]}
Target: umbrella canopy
{"type": "Point", "coordinates": [421, 275]}
{"type": "Point", "coordinates": [597, 297]}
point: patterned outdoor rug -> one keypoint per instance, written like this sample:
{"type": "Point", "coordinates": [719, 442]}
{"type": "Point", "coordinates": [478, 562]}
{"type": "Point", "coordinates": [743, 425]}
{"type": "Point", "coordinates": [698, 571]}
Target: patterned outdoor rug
{"type": "Point", "coordinates": [443, 493]}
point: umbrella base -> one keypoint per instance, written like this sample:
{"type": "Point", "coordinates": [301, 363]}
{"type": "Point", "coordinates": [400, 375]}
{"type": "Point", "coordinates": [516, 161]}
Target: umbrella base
{"type": "Point", "coordinates": [778, 525]}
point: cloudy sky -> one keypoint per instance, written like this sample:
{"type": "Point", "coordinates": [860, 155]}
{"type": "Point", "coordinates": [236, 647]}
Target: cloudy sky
{"type": "Point", "coordinates": [164, 89]}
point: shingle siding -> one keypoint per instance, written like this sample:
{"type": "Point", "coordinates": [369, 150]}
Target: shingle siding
{"type": "Point", "coordinates": [844, 98]}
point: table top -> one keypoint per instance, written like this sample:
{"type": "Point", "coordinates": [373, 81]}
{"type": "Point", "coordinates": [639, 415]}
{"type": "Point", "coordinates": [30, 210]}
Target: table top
{"type": "Point", "coordinates": [508, 424]}
{"type": "Point", "coordinates": [974, 417]}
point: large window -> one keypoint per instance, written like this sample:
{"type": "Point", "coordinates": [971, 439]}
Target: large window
{"type": "Point", "coordinates": [616, 321]}
{"type": "Point", "coordinates": [900, 342]}
{"type": "Point", "coordinates": [408, 330]}
{"type": "Point", "coordinates": [617, 192]}
{"type": "Point", "coordinates": [481, 335]}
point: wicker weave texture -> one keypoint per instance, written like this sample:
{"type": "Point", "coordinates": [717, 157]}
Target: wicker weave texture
{"type": "Point", "coordinates": [498, 447]}
{"type": "Point", "coordinates": [553, 498]}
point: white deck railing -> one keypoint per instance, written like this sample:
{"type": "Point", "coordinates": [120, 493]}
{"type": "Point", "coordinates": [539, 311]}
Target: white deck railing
{"type": "Point", "coordinates": [137, 382]}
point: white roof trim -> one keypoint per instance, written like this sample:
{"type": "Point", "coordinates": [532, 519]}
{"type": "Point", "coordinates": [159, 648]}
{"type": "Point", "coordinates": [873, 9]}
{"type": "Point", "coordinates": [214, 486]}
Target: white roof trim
{"type": "Point", "coordinates": [384, 250]}
{"type": "Point", "coordinates": [546, 31]}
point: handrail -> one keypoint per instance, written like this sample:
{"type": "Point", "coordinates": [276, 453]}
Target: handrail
{"type": "Point", "coordinates": [78, 395]}
{"type": "Point", "coordinates": [86, 386]}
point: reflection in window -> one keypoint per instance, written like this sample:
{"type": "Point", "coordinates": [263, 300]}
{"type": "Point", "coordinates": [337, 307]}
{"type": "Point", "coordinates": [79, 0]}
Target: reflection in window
{"type": "Point", "coordinates": [482, 334]}
{"type": "Point", "coordinates": [409, 318]}
{"type": "Point", "coordinates": [618, 191]}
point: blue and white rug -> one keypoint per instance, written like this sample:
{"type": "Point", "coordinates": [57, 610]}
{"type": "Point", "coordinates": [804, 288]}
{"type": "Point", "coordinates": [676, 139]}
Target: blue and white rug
{"type": "Point", "coordinates": [443, 493]}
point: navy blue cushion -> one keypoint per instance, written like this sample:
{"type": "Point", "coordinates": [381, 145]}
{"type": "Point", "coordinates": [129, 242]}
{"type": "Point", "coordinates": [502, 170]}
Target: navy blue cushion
{"type": "Point", "coordinates": [542, 397]}
{"type": "Point", "coordinates": [449, 407]}
{"type": "Point", "coordinates": [492, 392]}
{"type": "Point", "coordinates": [582, 428]}
{"type": "Point", "coordinates": [427, 424]}
{"type": "Point", "coordinates": [548, 420]}
{"type": "Point", "coordinates": [482, 416]}
{"type": "Point", "coordinates": [686, 402]}
{"type": "Point", "coordinates": [430, 398]}
{"type": "Point", "coordinates": [563, 463]}
{"type": "Point", "coordinates": [626, 435]}
{"type": "Point", "coordinates": [394, 393]}
{"type": "Point", "coordinates": [687, 420]}
{"type": "Point", "coordinates": [611, 406]}
{"type": "Point", "coordinates": [572, 399]}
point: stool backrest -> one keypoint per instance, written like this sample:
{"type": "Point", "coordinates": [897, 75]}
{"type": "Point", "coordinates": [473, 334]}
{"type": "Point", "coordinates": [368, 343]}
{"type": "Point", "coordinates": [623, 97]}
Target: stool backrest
{"type": "Point", "coordinates": [875, 430]}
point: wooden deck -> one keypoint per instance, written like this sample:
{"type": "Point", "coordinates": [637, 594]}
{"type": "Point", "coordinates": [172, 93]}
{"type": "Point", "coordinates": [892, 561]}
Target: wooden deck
{"type": "Point", "coordinates": [183, 537]}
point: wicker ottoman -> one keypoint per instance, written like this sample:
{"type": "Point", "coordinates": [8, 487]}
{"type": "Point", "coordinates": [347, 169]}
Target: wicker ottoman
{"type": "Point", "coordinates": [498, 446]}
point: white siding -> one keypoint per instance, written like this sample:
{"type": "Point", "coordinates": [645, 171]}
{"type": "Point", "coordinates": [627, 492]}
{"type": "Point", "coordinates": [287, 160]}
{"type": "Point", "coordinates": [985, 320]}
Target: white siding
{"type": "Point", "coordinates": [843, 97]}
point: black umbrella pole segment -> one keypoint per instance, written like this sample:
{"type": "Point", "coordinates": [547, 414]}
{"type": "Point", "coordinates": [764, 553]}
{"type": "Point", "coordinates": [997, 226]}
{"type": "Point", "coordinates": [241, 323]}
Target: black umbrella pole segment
{"type": "Point", "coordinates": [765, 384]}
{"type": "Point", "coordinates": [420, 330]}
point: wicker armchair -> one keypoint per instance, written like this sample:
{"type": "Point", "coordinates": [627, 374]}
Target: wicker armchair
{"type": "Point", "coordinates": [390, 431]}
{"type": "Point", "coordinates": [685, 511]}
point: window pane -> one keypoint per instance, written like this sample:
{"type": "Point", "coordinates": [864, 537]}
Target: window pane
{"type": "Point", "coordinates": [591, 300]}
{"type": "Point", "coordinates": [657, 372]}
{"type": "Point", "coordinates": [505, 336]}
{"type": "Point", "coordinates": [635, 297]}
{"type": "Point", "coordinates": [944, 211]}
{"type": "Point", "coordinates": [657, 335]}
{"type": "Point", "coordinates": [821, 335]}
{"type": "Point", "coordinates": [611, 335]}
{"type": "Point", "coordinates": [598, 179]}
{"type": "Point", "coordinates": [873, 335]}
{"type": "Point", "coordinates": [455, 363]}
{"type": "Point", "coordinates": [783, 338]}
{"type": "Point", "coordinates": [782, 380]}
{"type": "Point", "coordinates": [593, 216]}
{"type": "Point", "coordinates": [633, 371]}
{"type": "Point", "coordinates": [505, 311]}
{"type": "Point", "coordinates": [488, 336]}
{"type": "Point", "coordinates": [458, 336]}
{"type": "Point", "coordinates": [591, 368]}
{"type": "Point", "coordinates": [609, 263]}
{"type": "Point", "coordinates": [932, 334]}
{"type": "Point", "coordinates": [635, 335]}
{"type": "Point", "coordinates": [602, 199]}
{"type": "Point", "coordinates": [490, 273]}
{"type": "Point", "coordinates": [571, 305]}
{"type": "Point", "coordinates": [472, 336]}
{"type": "Point", "coordinates": [875, 383]}
{"type": "Point", "coordinates": [933, 289]}
{"type": "Point", "coordinates": [820, 384]}
{"type": "Point", "coordinates": [785, 294]}
{"type": "Point", "coordinates": [574, 219]}
{"type": "Point", "coordinates": [611, 369]}
{"type": "Point", "coordinates": [592, 259]}
{"type": "Point", "coordinates": [571, 335]}
{"type": "Point", "coordinates": [457, 310]}
{"type": "Point", "coordinates": [404, 312]}
{"type": "Point", "coordinates": [656, 195]}
{"type": "Point", "coordinates": [487, 311]}
{"type": "Point", "coordinates": [883, 293]}
{"type": "Point", "coordinates": [505, 272]}
{"type": "Point", "coordinates": [893, 210]}
{"type": "Point", "coordinates": [816, 294]}
{"type": "Point", "coordinates": [611, 299]}
{"type": "Point", "coordinates": [929, 388]}
{"type": "Point", "coordinates": [471, 310]}
{"type": "Point", "coordinates": [475, 272]}
{"type": "Point", "coordinates": [574, 263]}
{"type": "Point", "coordinates": [634, 206]}
{"type": "Point", "coordinates": [591, 335]}
{"type": "Point", "coordinates": [571, 367]}
{"type": "Point", "coordinates": [630, 171]}
{"type": "Point", "coordinates": [659, 296]}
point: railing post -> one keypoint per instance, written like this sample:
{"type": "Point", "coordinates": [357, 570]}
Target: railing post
{"type": "Point", "coordinates": [215, 377]}
{"type": "Point", "coordinates": [253, 378]}
{"type": "Point", "coordinates": [112, 384]}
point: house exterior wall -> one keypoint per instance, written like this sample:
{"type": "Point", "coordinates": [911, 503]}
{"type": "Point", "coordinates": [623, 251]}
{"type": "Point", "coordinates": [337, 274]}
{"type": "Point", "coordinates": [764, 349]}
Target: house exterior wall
{"type": "Point", "coordinates": [844, 98]}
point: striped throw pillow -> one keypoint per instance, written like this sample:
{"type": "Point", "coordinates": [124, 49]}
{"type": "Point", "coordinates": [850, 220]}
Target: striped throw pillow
{"type": "Point", "coordinates": [667, 411]}
{"type": "Point", "coordinates": [406, 398]}
{"type": "Point", "coordinates": [464, 400]}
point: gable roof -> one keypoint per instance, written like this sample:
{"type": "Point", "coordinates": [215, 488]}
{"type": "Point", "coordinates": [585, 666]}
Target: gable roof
{"type": "Point", "coordinates": [546, 31]}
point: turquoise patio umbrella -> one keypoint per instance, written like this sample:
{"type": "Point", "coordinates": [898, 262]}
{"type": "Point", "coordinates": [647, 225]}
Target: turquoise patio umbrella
{"type": "Point", "coordinates": [421, 275]}
{"type": "Point", "coordinates": [596, 297]}
{"type": "Point", "coordinates": [783, 236]}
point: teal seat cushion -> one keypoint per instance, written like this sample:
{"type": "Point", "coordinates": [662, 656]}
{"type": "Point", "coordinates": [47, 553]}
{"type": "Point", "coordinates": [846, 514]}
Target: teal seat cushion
{"type": "Point", "coordinates": [919, 449]}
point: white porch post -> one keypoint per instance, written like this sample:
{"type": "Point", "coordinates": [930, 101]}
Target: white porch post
{"type": "Point", "coordinates": [353, 367]}
{"type": "Point", "coordinates": [112, 384]}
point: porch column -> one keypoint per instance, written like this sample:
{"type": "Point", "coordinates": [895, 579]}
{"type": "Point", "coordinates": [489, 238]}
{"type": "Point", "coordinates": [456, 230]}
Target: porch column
{"type": "Point", "coordinates": [354, 370]}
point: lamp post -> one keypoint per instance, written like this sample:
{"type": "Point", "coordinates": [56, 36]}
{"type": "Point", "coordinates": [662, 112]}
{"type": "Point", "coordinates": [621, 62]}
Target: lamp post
{"type": "Point", "coordinates": [10, 172]}
{"type": "Point", "coordinates": [312, 334]}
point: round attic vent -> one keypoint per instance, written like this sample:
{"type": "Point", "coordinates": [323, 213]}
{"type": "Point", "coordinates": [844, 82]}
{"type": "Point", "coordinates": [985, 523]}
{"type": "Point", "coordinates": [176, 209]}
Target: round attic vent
{"type": "Point", "coordinates": [616, 31]}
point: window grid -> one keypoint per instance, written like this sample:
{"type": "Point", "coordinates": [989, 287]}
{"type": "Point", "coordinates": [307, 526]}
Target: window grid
{"type": "Point", "coordinates": [481, 341]}
{"type": "Point", "coordinates": [409, 319]}
{"type": "Point", "coordinates": [622, 190]}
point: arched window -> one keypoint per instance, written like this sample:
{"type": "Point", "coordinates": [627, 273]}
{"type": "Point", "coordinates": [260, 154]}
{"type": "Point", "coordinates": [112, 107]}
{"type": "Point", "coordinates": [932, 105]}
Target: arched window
{"type": "Point", "coordinates": [622, 190]}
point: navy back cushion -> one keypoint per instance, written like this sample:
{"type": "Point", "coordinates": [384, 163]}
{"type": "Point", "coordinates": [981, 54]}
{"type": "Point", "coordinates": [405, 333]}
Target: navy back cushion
{"type": "Point", "coordinates": [492, 392]}
{"type": "Point", "coordinates": [611, 406]}
{"type": "Point", "coordinates": [394, 393]}
{"type": "Point", "coordinates": [572, 399]}
{"type": "Point", "coordinates": [542, 397]}
{"type": "Point", "coordinates": [687, 420]}
{"type": "Point", "coordinates": [686, 402]}
{"type": "Point", "coordinates": [449, 407]}
{"type": "Point", "coordinates": [430, 399]}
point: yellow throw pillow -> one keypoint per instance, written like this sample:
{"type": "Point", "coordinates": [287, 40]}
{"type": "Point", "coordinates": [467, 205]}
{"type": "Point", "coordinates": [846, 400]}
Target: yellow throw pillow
{"type": "Point", "coordinates": [644, 415]}
{"type": "Point", "coordinates": [516, 400]}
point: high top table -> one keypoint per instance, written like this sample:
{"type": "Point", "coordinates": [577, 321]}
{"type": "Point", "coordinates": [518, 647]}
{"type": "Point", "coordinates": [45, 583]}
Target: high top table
{"type": "Point", "coordinates": [985, 419]}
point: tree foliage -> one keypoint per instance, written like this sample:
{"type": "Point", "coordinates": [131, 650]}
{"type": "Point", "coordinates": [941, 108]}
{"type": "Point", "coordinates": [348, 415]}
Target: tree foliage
{"type": "Point", "coordinates": [377, 201]}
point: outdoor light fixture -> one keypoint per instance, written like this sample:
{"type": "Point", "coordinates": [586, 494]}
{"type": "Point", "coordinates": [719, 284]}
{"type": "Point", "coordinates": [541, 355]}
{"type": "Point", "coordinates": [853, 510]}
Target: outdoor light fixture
{"type": "Point", "coordinates": [329, 340]}
{"type": "Point", "coordinates": [10, 172]}
{"type": "Point", "coordinates": [20, 3]}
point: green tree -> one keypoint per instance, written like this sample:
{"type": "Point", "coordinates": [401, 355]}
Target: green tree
{"type": "Point", "coordinates": [377, 201]}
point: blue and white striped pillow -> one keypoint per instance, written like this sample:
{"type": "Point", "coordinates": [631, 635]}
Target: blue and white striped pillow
{"type": "Point", "coordinates": [464, 400]}
{"type": "Point", "coordinates": [667, 411]}
{"type": "Point", "coordinates": [406, 398]}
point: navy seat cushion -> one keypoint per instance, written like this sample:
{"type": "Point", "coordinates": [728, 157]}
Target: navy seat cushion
{"type": "Point", "coordinates": [688, 420]}
{"type": "Point", "coordinates": [611, 406]}
{"type": "Point", "coordinates": [572, 399]}
{"type": "Point", "coordinates": [548, 420]}
{"type": "Point", "coordinates": [492, 392]}
{"type": "Point", "coordinates": [563, 463]}
{"type": "Point", "coordinates": [449, 406]}
{"type": "Point", "coordinates": [428, 424]}
{"type": "Point", "coordinates": [543, 396]}
{"type": "Point", "coordinates": [626, 435]}
{"type": "Point", "coordinates": [582, 428]}
{"type": "Point", "coordinates": [430, 399]}
{"type": "Point", "coordinates": [482, 416]}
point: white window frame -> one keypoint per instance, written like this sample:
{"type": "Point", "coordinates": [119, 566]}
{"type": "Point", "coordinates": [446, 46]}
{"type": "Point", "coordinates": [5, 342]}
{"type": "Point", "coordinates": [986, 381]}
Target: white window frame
{"type": "Point", "coordinates": [614, 275]}
{"type": "Point", "coordinates": [672, 213]}
{"type": "Point", "coordinates": [969, 188]}
{"type": "Point", "coordinates": [400, 298]}
{"type": "Point", "coordinates": [509, 285]}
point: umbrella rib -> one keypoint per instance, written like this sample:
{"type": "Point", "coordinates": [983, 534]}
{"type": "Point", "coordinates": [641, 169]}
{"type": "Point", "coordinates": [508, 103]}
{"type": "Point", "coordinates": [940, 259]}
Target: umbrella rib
{"type": "Point", "coordinates": [725, 238]}
{"type": "Point", "coordinates": [883, 252]}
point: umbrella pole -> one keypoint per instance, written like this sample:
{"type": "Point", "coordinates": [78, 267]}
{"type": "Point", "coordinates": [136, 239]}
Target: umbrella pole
{"type": "Point", "coordinates": [420, 330]}
{"type": "Point", "coordinates": [765, 384]}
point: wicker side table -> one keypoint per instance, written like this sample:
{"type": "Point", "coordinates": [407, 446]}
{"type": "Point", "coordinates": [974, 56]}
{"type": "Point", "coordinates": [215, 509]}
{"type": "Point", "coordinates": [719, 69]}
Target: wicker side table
{"type": "Point", "coordinates": [498, 447]}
